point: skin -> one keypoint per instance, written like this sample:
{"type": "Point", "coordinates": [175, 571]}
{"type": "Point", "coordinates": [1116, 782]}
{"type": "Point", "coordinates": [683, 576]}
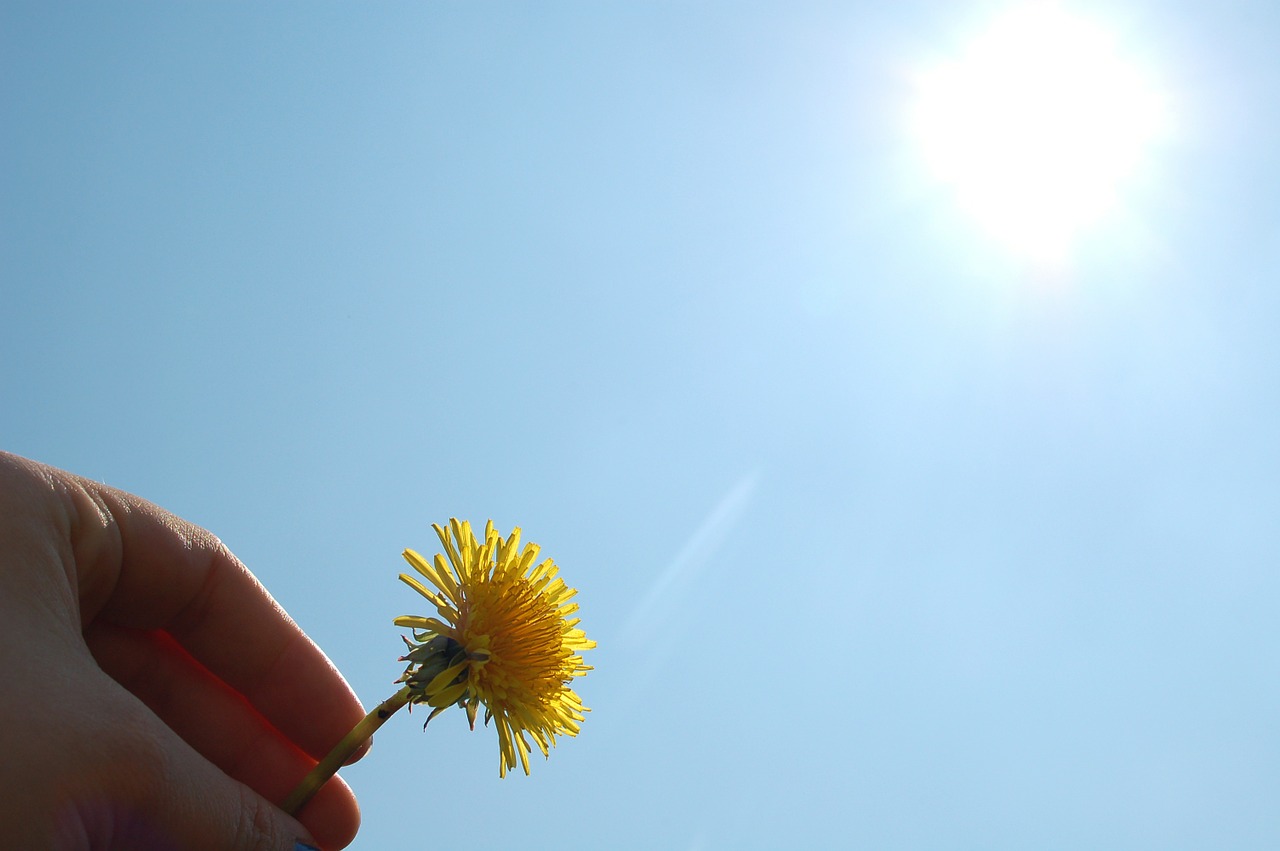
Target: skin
{"type": "Point", "coordinates": [154, 695]}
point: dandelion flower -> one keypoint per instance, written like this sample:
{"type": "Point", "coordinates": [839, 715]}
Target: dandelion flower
{"type": "Point", "coordinates": [504, 637]}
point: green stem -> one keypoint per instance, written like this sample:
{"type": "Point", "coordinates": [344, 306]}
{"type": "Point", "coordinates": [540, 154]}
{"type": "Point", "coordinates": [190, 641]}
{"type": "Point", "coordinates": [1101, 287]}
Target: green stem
{"type": "Point", "coordinates": [329, 766]}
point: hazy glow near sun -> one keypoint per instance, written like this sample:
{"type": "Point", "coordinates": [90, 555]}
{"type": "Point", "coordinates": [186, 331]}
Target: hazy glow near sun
{"type": "Point", "coordinates": [1035, 126]}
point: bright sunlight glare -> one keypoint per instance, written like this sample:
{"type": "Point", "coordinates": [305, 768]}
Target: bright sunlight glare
{"type": "Point", "coordinates": [1035, 125]}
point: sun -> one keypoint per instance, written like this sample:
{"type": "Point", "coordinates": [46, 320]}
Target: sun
{"type": "Point", "coordinates": [1035, 125]}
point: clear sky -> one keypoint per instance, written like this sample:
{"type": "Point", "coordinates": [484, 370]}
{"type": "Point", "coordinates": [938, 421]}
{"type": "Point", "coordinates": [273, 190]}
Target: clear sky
{"type": "Point", "coordinates": [900, 524]}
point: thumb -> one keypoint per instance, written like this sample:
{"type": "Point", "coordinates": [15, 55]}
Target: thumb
{"type": "Point", "coordinates": [105, 823]}
{"type": "Point", "coordinates": [145, 789]}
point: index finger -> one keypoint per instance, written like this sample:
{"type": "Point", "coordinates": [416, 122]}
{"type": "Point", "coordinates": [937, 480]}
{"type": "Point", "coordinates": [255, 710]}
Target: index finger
{"type": "Point", "coordinates": [137, 565]}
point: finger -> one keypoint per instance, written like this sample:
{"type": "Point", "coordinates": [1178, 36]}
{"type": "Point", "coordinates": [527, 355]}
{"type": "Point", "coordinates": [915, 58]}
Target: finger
{"type": "Point", "coordinates": [220, 724]}
{"type": "Point", "coordinates": [140, 566]}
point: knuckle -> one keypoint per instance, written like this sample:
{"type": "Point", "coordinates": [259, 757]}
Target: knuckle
{"type": "Point", "coordinates": [257, 826]}
{"type": "Point", "coordinates": [157, 779]}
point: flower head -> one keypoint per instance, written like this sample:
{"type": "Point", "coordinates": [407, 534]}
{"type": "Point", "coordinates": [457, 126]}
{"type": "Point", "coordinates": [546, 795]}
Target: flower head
{"type": "Point", "coordinates": [504, 638]}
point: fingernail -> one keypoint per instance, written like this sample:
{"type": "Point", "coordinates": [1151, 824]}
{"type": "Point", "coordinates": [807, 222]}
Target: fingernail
{"type": "Point", "coordinates": [302, 846]}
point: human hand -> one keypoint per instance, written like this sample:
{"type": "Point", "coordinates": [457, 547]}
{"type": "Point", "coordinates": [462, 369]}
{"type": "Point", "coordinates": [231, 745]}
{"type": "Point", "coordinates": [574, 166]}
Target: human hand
{"type": "Point", "coordinates": [152, 693]}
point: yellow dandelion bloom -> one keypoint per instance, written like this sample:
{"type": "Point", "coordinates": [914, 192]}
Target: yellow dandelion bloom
{"type": "Point", "coordinates": [504, 638]}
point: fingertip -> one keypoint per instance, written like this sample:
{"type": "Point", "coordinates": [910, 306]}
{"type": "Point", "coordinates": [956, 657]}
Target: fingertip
{"type": "Point", "coordinates": [333, 815]}
{"type": "Point", "coordinates": [359, 753]}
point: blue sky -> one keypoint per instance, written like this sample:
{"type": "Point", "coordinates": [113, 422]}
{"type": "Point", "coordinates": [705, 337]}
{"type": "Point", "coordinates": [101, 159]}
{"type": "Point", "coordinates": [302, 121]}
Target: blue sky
{"type": "Point", "coordinates": [891, 537]}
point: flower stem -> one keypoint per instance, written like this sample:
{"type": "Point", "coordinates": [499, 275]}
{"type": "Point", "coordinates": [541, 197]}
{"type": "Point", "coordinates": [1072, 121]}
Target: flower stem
{"type": "Point", "coordinates": [329, 766]}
